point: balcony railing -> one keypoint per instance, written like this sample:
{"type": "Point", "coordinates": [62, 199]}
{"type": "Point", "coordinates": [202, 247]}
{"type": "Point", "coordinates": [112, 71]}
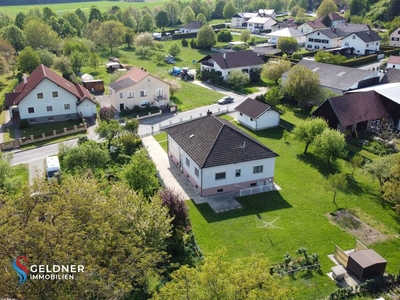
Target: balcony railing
{"type": "Point", "coordinates": [160, 97]}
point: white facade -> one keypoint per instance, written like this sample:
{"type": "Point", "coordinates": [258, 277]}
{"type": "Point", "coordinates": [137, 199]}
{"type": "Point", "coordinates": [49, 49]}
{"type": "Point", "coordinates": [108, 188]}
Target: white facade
{"type": "Point", "coordinates": [258, 24]}
{"type": "Point", "coordinates": [305, 28]}
{"type": "Point", "coordinates": [240, 21]}
{"type": "Point", "coordinates": [236, 176]}
{"type": "Point", "coordinates": [360, 47]}
{"type": "Point", "coordinates": [318, 40]}
{"type": "Point", "coordinates": [211, 65]}
{"type": "Point", "coordinates": [86, 108]}
{"type": "Point", "coordinates": [394, 38]}
{"type": "Point", "coordinates": [47, 99]}
{"type": "Point", "coordinates": [150, 90]}
{"type": "Point", "coordinates": [268, 119]}
{"type": "Point", "coordinates": [287, 32]}
{"type": "Point", "coordinates": [184, 30]}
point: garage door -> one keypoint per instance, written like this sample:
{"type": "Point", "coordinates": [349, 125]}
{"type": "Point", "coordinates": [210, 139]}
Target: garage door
{"type": "Point", "coordinates": [86, 111]}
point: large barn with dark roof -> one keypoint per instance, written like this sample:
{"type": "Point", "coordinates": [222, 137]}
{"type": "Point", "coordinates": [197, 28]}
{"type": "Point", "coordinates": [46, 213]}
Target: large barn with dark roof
{"type": "Point", "coordinates": [217, 157]}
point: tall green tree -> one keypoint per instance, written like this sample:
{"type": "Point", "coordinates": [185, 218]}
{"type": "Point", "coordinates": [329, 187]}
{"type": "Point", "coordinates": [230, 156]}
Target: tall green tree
{"type": "Point", "coordinates": [357, 7]}
{"type": "Point", "coordinates": [14, 36]}
{"type": "Point", "coordinates": [95, 14]}
{"type": "Point", "coordinates": [20, 20]}
{"type": "Point", "coordinates": [146, 22]}
{"type": "Point", "coordinates": [287, 44]}
{"type": "Point", "coordinates": [187, 15]}
{"type": "Point", "coordinates": [380, 168]}
{"type": "Point", "coordinates": [28, 60]}
{"type": "Point", "coordinates": [219, 278]}
{"type": "Point", "coordinates": [391, 188]}
{"type": "Point", "coordinates": [118, 236]}
{"type": "Point", "coordinates": [206, 37]}
{"type": "Point", "coordinates": [112, 33]}
{"type": "Point", "coordinates": [46, 57]}
{"type": "Point", "coordinates": [81, 15]}
{"type": "Point", "coordinates": [229, 10]}
{"type": "Point", "coordinates": [173, 10]}
{"type": "Point", "coordinates": [94, 60]}
{"type": "Point", "coordinates": [302, 84]}
{"type": "Point", "coordinates": [162, 19]}
{"type": "Point", "coordinates": [273, 69]}
{"type": "Point", "coordinates": [174, 49]}
{"type": "Point", "coordinates": [6, 171]}
{"type": "Point", "coordinates": [330, 145]}
{"type": "Point", "coordinates": [108, 130]}
{"type": "Point", "coordinates": [245, 35]}
{"type": "Point", "coordinates": [40, 35]}
{"type": "Point", "coordinates": [306, 131]}
{"type": "Point", "coordinates": [336, 183]}
{"type": "Point", "coordinates": [326, 7]}
{"type": "Point", "coordinates": [140, 174]}
{"type": "Point", "coordinates": [202, 18]}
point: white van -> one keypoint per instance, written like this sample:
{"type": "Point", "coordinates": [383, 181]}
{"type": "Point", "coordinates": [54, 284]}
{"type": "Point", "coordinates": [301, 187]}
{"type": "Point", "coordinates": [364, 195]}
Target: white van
{"type": "Point", "coordinates": [52, 166]}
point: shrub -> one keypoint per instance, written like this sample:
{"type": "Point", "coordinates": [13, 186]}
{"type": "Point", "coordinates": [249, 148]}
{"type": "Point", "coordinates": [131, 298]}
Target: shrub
{"type": "Point", "coordinates": [193, 44]}
{"type": "Point", "coordinates": [185, 43]}
{"type": "Point", "coordinates": [23, 124]}
{"type": "Point", "coordinates": [106, 113]}
{"type": "Point", "coordinates": [240, 47]}
{"type": "Point", "coordinates": [252, 40]}
{"type": "Point", "coordinates": [82, 139]}
{"type": "Point", "coordinates": [224, 36]}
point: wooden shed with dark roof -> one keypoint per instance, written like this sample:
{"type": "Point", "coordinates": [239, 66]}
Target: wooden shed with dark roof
{"type": "Point", "coordinates": [366, 264]}
{"type": "Point", "coordinates": [354, 111]}
{"type": "Point", "coordinates": [257, 115]}
{"type": "Point", "coordinates": [218, 157]}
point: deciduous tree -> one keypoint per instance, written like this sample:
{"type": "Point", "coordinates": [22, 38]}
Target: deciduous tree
{"type": "Point", "coordinates": [174, 49]}
{"type": "Point", "coordinates": [326, 7]}
{"type": "Point", "coordinates": [306, 131]}
{"type": "Point", "coordinates": [380, 168]}
{"type": "Point", "coordinates": [287, 44]}
{"type": "Point", "coordinates": [206, 37]}
{"type": "Point", "coordinates": [14, 36]}
{"type": "Point", "coordinates": [329, 58]}
{"type": "Point", "coordinates": [112, 33]}
{"type": "Point", "coordinates": [144, 39]}
{"type": "Point", "coordinates": [140, 174]}
{"type": "Point", "coordinates": [238, 79]}
{"type": "Point", "coordinates": [202, 18]}
{"type": "Point", "coordinates": [274, 69]}
{"type": "Point", "coordinates": [330, 145]}
{"type": "Point", "coordinates": [146, 22]}
{"type": "Point", "coordinates": [40, 35]}
{"type": "Point", "coordinates": [355, 162]}
{"type": "Point", "coordinates": [162, 19]}
{"type": "Point", "coordinates": [187, 15]}
{"type": "Point", "coordinates": [391, 188]}
{"type": "Point", "coordinates": [28, 60]}
{"type": "Point", "coordinates": [173, 10]}
{"type": "Point", "coordinates": [245, 35]}
{"type": "Point", "coordinates": [109, 130]}
{"type": "Point", "coordinates": [336, 183]}
{"type": "Point", "coordinates": [175, 86]}
{"type": "Point", "coordinates": [229, 10]}
{"type": "Point", "coordinates": [302, 84]}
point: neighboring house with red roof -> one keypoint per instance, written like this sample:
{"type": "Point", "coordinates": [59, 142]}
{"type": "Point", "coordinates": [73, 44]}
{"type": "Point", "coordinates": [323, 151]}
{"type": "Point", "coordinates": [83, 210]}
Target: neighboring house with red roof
{"type": "Point", "coordinates": [393, 62]}
{"type": "Point", "coordinates": [356, 111]}
{"type": "Point", "coordinates": [138, 88]}
{"type": "Point", "coordinates": [217, 157]}
{"type": "Point", "coordinates": [257, 115]}
{"type": "Point", "coordinates": [311, 26]}
{"type": "Point", "coordinates": [45, 96]}
{"type": "Point", "coordinates": [230, 61]}
{"type": "Point", "coordinates": [394, 38]}
{"type": "Point", "coordinates": [336, 19]}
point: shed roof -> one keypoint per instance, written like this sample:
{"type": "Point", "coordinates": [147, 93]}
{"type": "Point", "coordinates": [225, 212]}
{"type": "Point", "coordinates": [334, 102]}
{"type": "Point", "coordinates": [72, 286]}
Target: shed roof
{"type": "Point", "coordinates": [193, 25]}
{"type": "Point", "coordinates": [253, 108]}
{"type": "Point", "coordinates": [211, 141]}
{"type": "Point", "coordinates": [367, 258]}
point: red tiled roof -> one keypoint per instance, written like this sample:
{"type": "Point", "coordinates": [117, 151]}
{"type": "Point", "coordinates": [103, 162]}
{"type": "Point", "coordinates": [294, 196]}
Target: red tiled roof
{"type": "Point", "coordinates": [394, 60]}
{"type": "Point", "coordinates": [136, 74]}
{"type": "Point", "coordinates": [40, 73]}
{"type": "Point", "coordinates": [316, 24]}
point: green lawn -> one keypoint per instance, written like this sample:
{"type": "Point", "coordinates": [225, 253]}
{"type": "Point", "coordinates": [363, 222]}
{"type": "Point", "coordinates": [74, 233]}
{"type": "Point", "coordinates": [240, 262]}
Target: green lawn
{"type": "Point", "coordinates": [53, 141]}
{"type": "Point", "coordinates": [161, 138]}
{"type": "Point", "coordinates": [61, 8]}
{"type": "Point", "coordinates": [302, 206]}
{"type": "Point", "coordinates": [44, 128]}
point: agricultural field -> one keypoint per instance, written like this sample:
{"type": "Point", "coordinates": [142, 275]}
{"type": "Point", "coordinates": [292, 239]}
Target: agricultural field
{"type": "Point", "coordinates": [304, 210]}
{"type": "Point", "coordinates": [61, 8]}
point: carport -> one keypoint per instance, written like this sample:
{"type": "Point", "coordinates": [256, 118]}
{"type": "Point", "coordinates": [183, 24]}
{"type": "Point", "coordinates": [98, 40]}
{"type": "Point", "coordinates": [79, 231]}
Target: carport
{"type": "Point", "coordinates": [366, 264]}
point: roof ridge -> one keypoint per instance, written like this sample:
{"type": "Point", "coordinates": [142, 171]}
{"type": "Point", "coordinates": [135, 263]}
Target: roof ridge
{"type": "Point", "coordinates": [215, 141]}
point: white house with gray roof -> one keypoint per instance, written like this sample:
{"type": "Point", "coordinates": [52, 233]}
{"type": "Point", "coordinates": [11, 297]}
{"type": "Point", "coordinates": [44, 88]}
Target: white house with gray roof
{"type": "Point", "coordinates": [339, 79]}
{"type": "Point", "coordinates": [324, 39]}
{"type": "Point", "coordinates": [217, 157]}
{"type": "Point", "coordinates": [257, 115]}
{"type": "Point", "coordinates": [287, 32]}
{"type": "Point", "coordinates": [363, 42]}
{"type": "Point", "coordinates": [394, 38]}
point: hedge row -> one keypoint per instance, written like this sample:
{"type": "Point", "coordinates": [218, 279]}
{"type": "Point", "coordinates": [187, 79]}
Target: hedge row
{"type": "Point", "coordinates": [361, 60]}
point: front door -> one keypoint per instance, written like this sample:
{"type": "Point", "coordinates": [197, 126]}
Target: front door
{"type": "Point", "coordinates": [121, 106]}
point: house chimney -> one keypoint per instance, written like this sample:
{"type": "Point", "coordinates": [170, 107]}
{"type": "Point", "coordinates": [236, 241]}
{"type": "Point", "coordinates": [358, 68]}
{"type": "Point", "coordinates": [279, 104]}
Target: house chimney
{"type": "Point", "coordinates": [25, 79]}
{"type": "Point", "coordinates": [224, 55]}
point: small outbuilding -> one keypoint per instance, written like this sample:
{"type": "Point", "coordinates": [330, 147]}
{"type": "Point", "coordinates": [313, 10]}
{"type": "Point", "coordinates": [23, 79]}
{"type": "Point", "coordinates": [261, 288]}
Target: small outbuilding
{"type": "Point", "coordinates": [95, 86]}
{"type": "Point", "coordinates": [257, 115]}
{"type": "Point", "coordinates": [366, 264]}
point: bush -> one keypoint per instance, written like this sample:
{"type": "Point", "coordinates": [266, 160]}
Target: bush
{"type": "Point", "coordinates": [82, 139]}
{"type": "Point", "coordinates": [193, 44]}
{"type": "Point", "coordinates": [224, 36]}
{"type": "Point", "coordinates": [252, 40]}
{"type": "Point", "coordinates": [185, 43]}
{"type": "Point", "coordinates": [240, 47]}
{"type": "Point", "coordinates": [23, 124]}
{"type": "Point", "coordinates": [106, 113]}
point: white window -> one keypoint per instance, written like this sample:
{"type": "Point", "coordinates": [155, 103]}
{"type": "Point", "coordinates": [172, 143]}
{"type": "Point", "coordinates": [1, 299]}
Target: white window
{"type": "Point", "coordinates": [377, 43]}
{"type": "Point", "coordinates": [54, 94]}
{"type": "Point", "coordinates": [143, 93]}
{"type": "Point", "coordinates": [258, 169]}
{"type": "Point", "coordinates": [187, 162]}
{"type": "Point", "coordinates": [196, 172]}
{"type": "Point", "coordinates": [131, 94]}
{"type": "Point", "coordinates": [159, 93]}
{"type": "Point", "coordinates": [67, 106]}
{"type": "Point", "coordinates": [238, 173]}
{"type": "Point", "coordinates": [219, 176]}
{"type": "Point", "coordinates": [31, 110]}
{"type": "Point", "coordinates": [309, 46]}
{"type": "Point", "coordinates": [121, 95]}
{"type": "Point", "coordinates": [367, 45]}
{"type": "Point", "coordinates": [39, 95]}
{"type": "Point", "coordinates": [354, 37]}
{"type": "Point", "coordinates": [49, 108]}
{"type": "Point", "coordinates": [346, 44]}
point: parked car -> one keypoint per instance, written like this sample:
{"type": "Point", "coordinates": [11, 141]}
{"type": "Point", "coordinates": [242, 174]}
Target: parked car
{"type": "Point", "coordinates": [169, 59]}
{"type": "Point", "coordinates": [225, 100]}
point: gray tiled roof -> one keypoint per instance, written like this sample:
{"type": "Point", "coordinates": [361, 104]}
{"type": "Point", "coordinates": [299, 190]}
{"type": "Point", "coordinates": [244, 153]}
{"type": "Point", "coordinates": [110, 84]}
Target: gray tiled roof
{"type": "Point", "coordinates": [367, 36]}
{"type": "Point", "coordinates": [193, 25]}
{"type": "Point", "coordinates": [350, 28]}
{"type": "Point", "coordinates": [391, 75]}
{"type": "Point", "coordinates": [336, 77]}
{"type": "Point", "coordinates": [235, 59]}
{"type": "Point", "coordinates": [121, 84]}
{"type": "Point", "coordinates": [252, 108]}
{"type": "Point", "coordinates": [332, 33]}
{"type": "Point", "coordinates": [211, 141]}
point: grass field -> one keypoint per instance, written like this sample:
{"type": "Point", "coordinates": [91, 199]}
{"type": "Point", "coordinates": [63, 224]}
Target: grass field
{"type": "Point", "coordinates": [61, 8]}
{"type": "Point", "coordinates": [161, 138]}
{"type": "Point", "coordinates": [302, 207]}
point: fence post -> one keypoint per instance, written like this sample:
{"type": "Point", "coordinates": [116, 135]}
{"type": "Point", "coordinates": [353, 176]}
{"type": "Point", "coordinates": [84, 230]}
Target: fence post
{"type": "Point", "coordinates": [65, 129]}
{"type": "Point", "coordinates": [152, 130]}
{"type": "Point", "coordinates": [54, 132]}
{"type": "Point", "coordinates": [180, 120]}
{"type": "Point", "coordinates": [43, 135]}
{"type": "Point", "coordinates": [31, 137]}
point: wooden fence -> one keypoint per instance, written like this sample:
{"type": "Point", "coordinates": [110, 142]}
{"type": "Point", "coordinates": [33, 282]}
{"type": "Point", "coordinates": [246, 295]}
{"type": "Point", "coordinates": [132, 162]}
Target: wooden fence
{"type": "Point", "coordinates": [42, 137]}
{"type": "Point", "coordinates": [340, 256]}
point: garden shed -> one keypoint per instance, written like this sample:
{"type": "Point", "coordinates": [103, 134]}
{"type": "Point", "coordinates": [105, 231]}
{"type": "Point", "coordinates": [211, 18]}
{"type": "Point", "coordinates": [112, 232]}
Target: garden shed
{"type": "Point", "coordinates": [366, 264]}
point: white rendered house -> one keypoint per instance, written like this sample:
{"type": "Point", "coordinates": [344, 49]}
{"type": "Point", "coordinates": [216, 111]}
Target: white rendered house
{"type": "Point", "coordinates": [257, 115]}
{"type": "Point", "coordinates": [394, 38]}
{"type": "Point", "coordinates": [216, 157]}
{"type": "Point", "coordinates": [363, 42]}
{"type": "Point", "coordinates": [324, 39]}
{"type": "Point", "coordinates": [393, 62]}
{"type": "Point", "coordinates": [258, 24]}
{"type": "Point", "coordinates": [287, 32]}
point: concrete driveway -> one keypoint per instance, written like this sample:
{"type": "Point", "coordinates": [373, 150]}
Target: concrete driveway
{"type": "Point", "coordinates": [172, 177]}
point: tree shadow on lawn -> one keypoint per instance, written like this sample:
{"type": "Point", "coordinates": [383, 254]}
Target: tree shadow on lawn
{"type": "Point", "coordinates": [252, 205]}
{"type": "Point", "coordinates": [318, 164]}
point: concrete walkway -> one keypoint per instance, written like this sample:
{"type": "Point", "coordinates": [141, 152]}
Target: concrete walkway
{"type": "Point", "coordinates": [172, 178]}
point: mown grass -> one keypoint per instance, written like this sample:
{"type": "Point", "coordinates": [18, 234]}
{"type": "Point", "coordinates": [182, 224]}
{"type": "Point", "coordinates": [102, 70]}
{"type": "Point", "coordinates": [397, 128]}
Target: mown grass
{"type": "Point", "coordinates": [302, 206]}
{"type": "Point", "coordinates": [44, 128]}
{"type": "Point", "coordinates": [161, 138]}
